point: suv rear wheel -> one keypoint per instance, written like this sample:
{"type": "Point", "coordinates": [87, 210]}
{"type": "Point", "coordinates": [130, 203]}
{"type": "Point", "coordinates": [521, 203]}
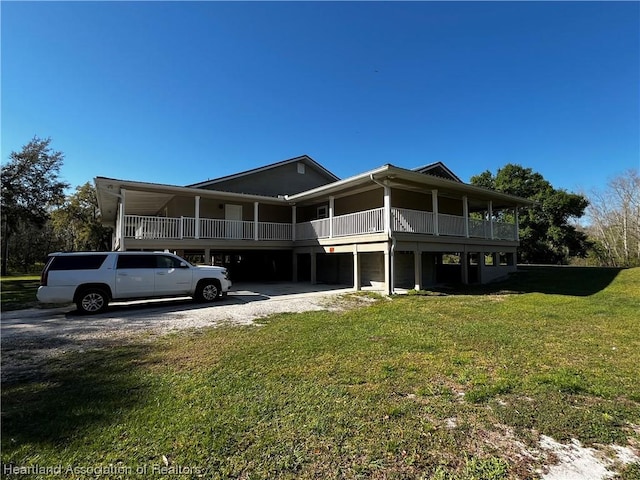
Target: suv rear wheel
{"type": "Point", "coordinates": [92, 300]}
{"type": "Point", "coordinates": [208, 291]}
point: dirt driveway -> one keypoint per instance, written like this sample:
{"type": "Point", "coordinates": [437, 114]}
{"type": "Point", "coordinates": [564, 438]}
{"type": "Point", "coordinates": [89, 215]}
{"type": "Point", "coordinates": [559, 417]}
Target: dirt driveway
{"type": "Point", "coordinates": [30, 337]}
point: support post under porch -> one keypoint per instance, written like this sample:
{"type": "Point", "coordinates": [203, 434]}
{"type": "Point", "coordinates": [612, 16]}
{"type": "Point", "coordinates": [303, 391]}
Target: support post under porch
{"type": "Point", "coordinates": [356, 269]}
{"type": "Point", "coordinates": [294, 267]}
{"type": "Point", "coordinates": [313, 268]}
{"type": "Point", "coordinates": [417, 269]}
{"type": "Point", "coordinates": [464, 264]}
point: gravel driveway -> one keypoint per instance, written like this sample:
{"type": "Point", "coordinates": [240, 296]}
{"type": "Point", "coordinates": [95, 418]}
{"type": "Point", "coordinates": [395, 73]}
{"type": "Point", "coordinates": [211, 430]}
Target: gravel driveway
{"type": "Point", "coordinates": [30, 337]}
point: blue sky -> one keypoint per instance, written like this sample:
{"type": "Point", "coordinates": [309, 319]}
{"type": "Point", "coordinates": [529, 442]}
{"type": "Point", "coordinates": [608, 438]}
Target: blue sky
{"type": "Point", "coordinates": [181, 92]}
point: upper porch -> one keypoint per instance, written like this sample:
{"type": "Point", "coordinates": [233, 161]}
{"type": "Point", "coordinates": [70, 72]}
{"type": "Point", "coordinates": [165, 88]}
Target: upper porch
{"type": "Point", "coordinates": [372, 207]}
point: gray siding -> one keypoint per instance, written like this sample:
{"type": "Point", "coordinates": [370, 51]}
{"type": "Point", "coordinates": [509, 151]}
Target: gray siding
{"type": "Point", "coordinates": [280, 180]}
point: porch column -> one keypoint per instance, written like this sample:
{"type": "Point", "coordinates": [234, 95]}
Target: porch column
{"type": "Point", "coordinates": [356, 270]}
{"type": "Point", "coordinates": [293, 222]}
{"type": "Point", "coordinates": [331, 205]}
{"type": "Point", "coordinates": [121, 221]}
{"type": "Point", "coordinates": [256, 237]}
{"type": "Point", "coordinates": [313, 268]}
{"type": "Point", "coordinates": [388, 279]}
{"type": "Point", "coordinates": [465, 214]}
{"type": "Point", "coordinates": [417, 269]}
{"type": "Point", "coordinates": [434, 207]}
{"type": "Point", "coordinates": [207, 256]}
{"type": "Point", "coordinates": [464, 264]}
{"type": "Point", "coordinates": [197, 227]}
{"type": "Point", "coordinates": [490, 209]}
{"type": "Point", "coordinates": [387, 210]}
{"type": "Point", "coordinates": [517, 224]}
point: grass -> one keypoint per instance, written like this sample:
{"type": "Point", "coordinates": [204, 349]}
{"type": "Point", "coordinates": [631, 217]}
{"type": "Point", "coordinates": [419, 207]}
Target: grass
{"type": "Point", "coordinates": [19, 292]}
{"type": "Point", "coordinates": [416, 387]}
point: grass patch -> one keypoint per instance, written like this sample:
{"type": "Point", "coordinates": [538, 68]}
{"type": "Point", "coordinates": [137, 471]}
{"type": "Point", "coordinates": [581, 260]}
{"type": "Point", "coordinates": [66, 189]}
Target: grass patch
{"type": "Point", "coordinates": [19, 292]}
{"type": "Point", "coordinates": [415, 387]}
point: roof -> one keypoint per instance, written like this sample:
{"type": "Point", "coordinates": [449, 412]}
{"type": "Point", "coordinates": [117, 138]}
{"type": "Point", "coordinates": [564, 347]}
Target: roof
{"type": "Point", "coordinates": [396, 176]}
{"type": "Point", "coordinates": [438, 169]}
{"type": "Point", "coordinates": [149, 198]}
{"type": "Point", "coordinates": [302, 158]}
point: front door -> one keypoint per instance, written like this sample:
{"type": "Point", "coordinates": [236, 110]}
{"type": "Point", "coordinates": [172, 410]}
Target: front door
{"type": "Point", "coordinates": [233, 217]}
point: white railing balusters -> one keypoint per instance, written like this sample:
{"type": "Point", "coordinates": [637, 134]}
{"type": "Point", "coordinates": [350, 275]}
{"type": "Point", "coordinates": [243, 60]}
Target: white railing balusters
{"type": "Point", "coordinates": [357, 223]}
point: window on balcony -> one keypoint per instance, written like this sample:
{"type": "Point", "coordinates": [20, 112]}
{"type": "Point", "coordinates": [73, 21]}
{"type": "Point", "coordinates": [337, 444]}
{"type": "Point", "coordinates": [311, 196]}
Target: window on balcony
{"type": "Point", "coordinates": [322, 212]}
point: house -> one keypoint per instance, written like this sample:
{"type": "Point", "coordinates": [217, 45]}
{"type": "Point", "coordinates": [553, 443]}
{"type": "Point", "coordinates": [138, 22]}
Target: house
{"type": "Point", "coordinates": [386, 229]}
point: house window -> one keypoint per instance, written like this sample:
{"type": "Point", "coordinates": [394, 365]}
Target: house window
{"type": "Point", "coordinates": [322, 212]}
{"type": "Point", "coordinates": [301, 168]}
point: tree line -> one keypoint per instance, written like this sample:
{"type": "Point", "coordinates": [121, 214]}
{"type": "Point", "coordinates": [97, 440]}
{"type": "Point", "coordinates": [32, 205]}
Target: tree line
{"type": "Point", "coordinates": [38, 218]}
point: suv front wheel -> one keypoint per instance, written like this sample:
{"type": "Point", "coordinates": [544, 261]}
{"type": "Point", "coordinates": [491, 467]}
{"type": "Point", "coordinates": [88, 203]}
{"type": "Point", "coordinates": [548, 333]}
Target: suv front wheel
{"type": "Point", "coordinates": [92, 300]}
{"type": "Point", "coordinates": [208, 291]}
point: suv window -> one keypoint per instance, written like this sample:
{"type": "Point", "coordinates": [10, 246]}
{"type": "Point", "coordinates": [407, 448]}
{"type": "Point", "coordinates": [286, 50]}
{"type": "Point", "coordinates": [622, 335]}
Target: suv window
{"type": "Point", "coordinates": [164, 261]}
{"type": "Point", "coordinates": [136, 261]}
{"type": "Point", "coordinates": [77, 262]}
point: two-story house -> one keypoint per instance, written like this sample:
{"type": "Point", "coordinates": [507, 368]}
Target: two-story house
{"type": "Point", "coordinates": [387, 228]}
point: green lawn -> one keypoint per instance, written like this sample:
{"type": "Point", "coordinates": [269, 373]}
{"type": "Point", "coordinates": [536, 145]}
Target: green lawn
{"type": "Point", "coordinates": [412, 387]}
{"type": "Point", "coordinates": [19, 291]}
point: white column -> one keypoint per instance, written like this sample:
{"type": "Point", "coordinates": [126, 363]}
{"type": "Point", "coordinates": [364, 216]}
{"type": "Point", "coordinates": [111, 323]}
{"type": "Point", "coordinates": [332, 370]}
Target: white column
{"type": "Point", "coordinates": [331, 205]}
{"type": "Point", "coordinates": [517, 225]}
{"type": "Point", "coordinates": [197, 232]}
{"type": "Point", "coordinates": [293, 222]}
{"type": "Point", "coordinates": [356, 270]}
{"type": "Point", "coordinates": [255, 222]}
{"type": "Point", "coordinates": [434, 207]}
{"type": "Point", "coordinates": [313, 268]}
{"type": "Point", "coordinates": [387, 271]}
{"type": "Point", "coordinates": [387, 210]}
{"type": "Point", "coordinates": [465, 214]}
{"type": "Point", "coordinates": [490, 210]}
{"type": "Point", "coordinates": [121, 219]}
{"type": "Point", "coordinates": [417, 269]}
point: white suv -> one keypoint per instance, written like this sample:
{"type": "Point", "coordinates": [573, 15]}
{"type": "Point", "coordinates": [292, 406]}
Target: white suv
{"type": "Point", "coordinates": [93, 279]}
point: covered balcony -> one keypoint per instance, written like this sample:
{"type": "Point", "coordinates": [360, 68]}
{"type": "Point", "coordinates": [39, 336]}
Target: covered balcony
{"type": "Point", "coordinates": [366, 222]}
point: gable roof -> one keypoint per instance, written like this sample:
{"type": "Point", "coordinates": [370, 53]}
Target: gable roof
{"type": "Point", "coordinates": [438, 169]}
{"type": "Point", "coordinates": [301, 159]}
{"type": "Point", "coordinates": [392, 176]}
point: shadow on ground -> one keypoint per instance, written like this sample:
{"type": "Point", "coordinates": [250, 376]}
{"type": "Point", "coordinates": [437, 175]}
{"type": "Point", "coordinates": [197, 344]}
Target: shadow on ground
{"type": "Point", "coordinates": [71, 393]}
{"type": "Point", "coordinates": [548, 279]}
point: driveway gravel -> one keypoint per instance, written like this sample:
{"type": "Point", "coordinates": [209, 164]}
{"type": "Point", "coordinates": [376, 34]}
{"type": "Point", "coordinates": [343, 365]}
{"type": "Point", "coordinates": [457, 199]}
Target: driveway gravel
{"type": "Point", "coordinates": [30, 337]}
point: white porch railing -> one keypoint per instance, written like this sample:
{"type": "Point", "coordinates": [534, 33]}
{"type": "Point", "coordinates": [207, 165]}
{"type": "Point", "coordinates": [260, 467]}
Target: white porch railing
{"type": "Point", "coordinates": [412, 221]}
{"type": "Point", "coordinates": [232, 229]}
{"type": "Point", "coordinates": [313, 229]}
{"type": "Point", "coordinates": [274, 231]}
{"type": "Point", "coordinates": [480, 228]}
{"type": "Point", "coordinates": [147, 227]}
{"type": "Point", "coordinates": [358, 223]}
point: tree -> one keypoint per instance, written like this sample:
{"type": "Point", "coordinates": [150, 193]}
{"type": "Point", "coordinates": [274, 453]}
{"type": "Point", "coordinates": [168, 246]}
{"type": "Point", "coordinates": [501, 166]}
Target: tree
{"type": "Point", "coordinates": [614, 217]}
{"type": "Point", "coordinates": [30, 187]}
{"type": "Point", "coordinates": [77, 222]}
{"type": "Point", "coordinates": [546, 234]}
